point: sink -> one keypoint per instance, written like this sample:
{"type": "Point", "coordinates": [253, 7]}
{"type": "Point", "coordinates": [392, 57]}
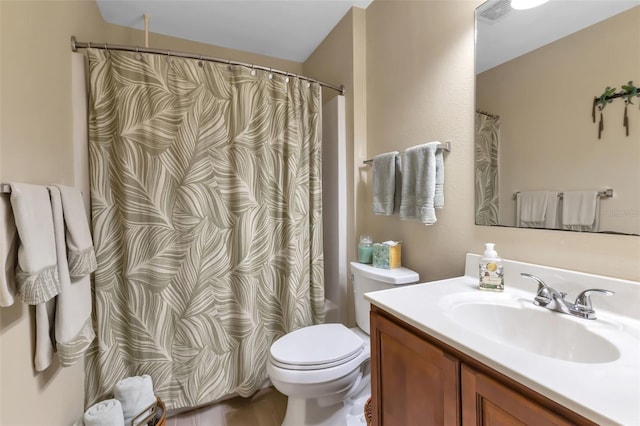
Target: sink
{"type": "Point", "coordinates": [527, 327]}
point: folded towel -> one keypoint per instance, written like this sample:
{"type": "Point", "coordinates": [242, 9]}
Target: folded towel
{"type": "Point", "coordinates": [384, 183]}
{"type": "Point", "coordinates": [8, 252]}
{"type": "Point", "coordinates": [580, 211]}
{"type": "Point", "coordinates": [73, 329]}
{"type": "Point", "coordinates": [80, 253]}
{"type": "Point", "coordinates": [105, 413]}
{"type": "Point", "coordinates": [419, 183]}
{"type": "Point", "coordinates": [531, 208]}
{"type": "Point", "coordinates": [551, 215]}
{"type": "Point", "coordinates": [37, 274]}
{"type": "Point", "coordinates": [135, 394]}
{"type": "Point", "coordinates": [438, 197]}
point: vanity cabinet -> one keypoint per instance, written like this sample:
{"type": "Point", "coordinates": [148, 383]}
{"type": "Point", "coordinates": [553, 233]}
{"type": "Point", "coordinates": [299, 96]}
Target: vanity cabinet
{"type": "Point", "coordinates": [418, 380]}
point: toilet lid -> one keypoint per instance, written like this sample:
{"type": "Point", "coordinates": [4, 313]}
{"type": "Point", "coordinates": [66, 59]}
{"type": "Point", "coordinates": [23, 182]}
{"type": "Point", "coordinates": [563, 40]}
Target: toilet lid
{"type": "Point", "coordinates": [320, 345]}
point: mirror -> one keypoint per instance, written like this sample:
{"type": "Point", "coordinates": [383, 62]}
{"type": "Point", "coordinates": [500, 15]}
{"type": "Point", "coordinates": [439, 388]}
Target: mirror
{"type": "Point", "coordinates": [537, 130]}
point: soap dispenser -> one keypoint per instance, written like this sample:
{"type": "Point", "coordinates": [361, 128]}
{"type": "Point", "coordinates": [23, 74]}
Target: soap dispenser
{"type": "Point", "coordinates": [491, 270]}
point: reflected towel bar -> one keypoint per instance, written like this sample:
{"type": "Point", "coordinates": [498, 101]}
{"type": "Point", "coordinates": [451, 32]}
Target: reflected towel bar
{"type": "Point", "coordinates": [607, 193]}
{"type": "Point", "coordinates": [446, 146]}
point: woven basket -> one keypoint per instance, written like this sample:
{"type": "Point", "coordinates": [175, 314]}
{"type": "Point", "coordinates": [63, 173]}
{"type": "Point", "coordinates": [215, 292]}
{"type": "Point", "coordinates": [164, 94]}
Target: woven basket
{"type": "Point", "coordinates": [154, 415]}
{"type": "Point", "coordinates": [368, 412]}
{"type": "Point", "coordinates": [161, 414]}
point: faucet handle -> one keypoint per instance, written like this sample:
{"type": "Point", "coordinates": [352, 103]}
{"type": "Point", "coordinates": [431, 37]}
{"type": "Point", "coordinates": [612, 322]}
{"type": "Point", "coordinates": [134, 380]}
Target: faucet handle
{"type": "Point", "coordinates": [544, 294]}
{"type": "Point", "coordinates": [583, 301]}
{"type": "Point", "coordinates": [541, 284]}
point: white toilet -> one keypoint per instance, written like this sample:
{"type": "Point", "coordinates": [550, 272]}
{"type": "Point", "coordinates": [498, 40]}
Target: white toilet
{"type": "Point", "coordinates": [324, 369]}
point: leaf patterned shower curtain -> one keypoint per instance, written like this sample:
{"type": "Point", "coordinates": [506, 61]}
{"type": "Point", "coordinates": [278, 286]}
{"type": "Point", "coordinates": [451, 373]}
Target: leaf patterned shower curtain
{"type": "Point", "coordinates": [207, 222]}
{"type": "Point", "coordinates": [486, 169]}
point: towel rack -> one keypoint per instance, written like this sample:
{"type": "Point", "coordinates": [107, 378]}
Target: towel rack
{"type": "Point", "coordinates": [607, 193]}
{"type": "Point", "coordinates": [446, 146]}
{"type": "Point", "coordinates": [5, 188]}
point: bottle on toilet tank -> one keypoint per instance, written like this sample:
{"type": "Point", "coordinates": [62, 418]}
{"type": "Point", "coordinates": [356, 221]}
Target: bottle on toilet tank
{"type": "Point", "coordinates": [491, 270]}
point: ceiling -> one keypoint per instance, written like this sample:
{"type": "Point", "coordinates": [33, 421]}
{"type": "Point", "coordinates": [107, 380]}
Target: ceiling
{"type": "Point", "coordinates": [292, 29]}
{"type": "Point", "coordinates": [520, 31]}
{"type": "Point", "coordinates": [285, 29]}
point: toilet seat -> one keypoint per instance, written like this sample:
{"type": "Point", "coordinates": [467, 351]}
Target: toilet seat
{"type": "Point", "coordinates": [316, 347]}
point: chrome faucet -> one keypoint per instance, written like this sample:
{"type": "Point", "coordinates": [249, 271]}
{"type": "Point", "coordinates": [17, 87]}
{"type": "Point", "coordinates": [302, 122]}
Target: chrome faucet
{"type": "Point", "coordinates": [548, 297]}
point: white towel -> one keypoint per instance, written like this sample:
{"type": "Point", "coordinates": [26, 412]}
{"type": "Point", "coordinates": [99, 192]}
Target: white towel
{"type": "Point", "coordinates": [8, 252]}
{"type": "Point", "coordinates": [135, 394]}
{"type": "Point", "coordinates": [531, 209]}
{"type": "Point", "coordinates": [551, 217]}
{"type": "Point", "coordinates": [105, 413]}
{"type": "Point", "coordinates": [73, 328]}
{"type": "Point", "coordinates": [45, 340]}
{"type": "Point", "coordinates": [36, 274]}
{"type": "Point", "coordinates": [580, 211]}
{"type": "Point", "coordinates": [385, 185]}
{"type": "Point", "coordinates": [419, 183]}
{"type": "Point", "coordinates": [438, 197]}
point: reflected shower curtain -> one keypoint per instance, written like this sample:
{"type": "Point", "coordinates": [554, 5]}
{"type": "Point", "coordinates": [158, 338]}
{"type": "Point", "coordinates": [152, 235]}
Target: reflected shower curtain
{"type": "Point", "coordinates": [207, 222]}
{"type": "Point", "coordinates": [486, 169]}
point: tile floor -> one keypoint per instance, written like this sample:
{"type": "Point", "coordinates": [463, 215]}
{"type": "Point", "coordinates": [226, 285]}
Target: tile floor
{"type": "Point", "coordinates": [265, 408]}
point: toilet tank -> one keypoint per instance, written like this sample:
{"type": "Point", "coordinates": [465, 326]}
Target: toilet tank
{"type": "Point", "coordinates": [366, 278]}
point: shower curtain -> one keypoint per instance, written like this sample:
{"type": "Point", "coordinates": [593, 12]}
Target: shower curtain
{"type": "Point", "coordinates": [207, 222]}
{"type": "Point", "coordinates": [486, 169]}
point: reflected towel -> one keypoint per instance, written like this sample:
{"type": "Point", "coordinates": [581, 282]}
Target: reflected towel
{"type": "Point", "coordinates": [419, 183]}
{"type": "Point", "coordinates": [105, 413]}
{"type": "Point", "coordinates": [386, 170]}
{"type": "Point", "coordinates": [8, 252]}
{"type": "Point", "coordinates": [438, 196]}
{"type": "Point", "coordinates": [135, 394]}
{"type": "Point", "coordinates": [531, 209]}
{"type": "Point", "coordinates": [37, 274]}
{"type": "Point", "coordinates": [580, 211]}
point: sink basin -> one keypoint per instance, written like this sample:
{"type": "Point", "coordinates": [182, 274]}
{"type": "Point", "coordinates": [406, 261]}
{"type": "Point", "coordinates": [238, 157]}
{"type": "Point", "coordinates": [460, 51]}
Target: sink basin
{"type": "Point", "coordinates": [535, 330]}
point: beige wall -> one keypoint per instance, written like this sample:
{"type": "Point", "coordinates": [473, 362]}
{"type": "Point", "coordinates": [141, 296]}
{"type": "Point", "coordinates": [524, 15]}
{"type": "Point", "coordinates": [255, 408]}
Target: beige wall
{"type": "Point", "coordinates": [340, 59]}
{"type": "Point", "coordinates": [420, 87]}
{"type": "Point", "coordinates": [36, 147]}
{"type": "Point", "coordinates": [548, 140]}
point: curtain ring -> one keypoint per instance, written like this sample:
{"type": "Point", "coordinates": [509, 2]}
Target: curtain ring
{"type": "Point", "coordinates": [169, 60]}
{"type": "Point", "coordinates": [200, 63]}
{"type": "Point", "coordinates": [270, 74]}
{"type": "Point", "coordinates": [253, 71]}
{"type": "Point", "coordinates": [138, 56]}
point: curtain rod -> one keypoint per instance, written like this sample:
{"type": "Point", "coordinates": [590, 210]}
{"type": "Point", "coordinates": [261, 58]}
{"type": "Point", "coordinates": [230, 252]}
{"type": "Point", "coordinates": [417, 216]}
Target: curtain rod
{"type": "Point", "coordinates": [487, 114]}
{"type": "Point", "coordinates": [75, 45]}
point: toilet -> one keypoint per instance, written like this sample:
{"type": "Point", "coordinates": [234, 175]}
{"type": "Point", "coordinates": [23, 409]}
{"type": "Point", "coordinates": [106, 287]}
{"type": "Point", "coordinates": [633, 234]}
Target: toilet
{"type": "Point", "coordinates": [324, 369]}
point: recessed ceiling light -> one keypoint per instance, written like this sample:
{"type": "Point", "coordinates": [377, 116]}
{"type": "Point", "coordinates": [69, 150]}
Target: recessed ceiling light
{"type": "Point", "coordinates": [526, 4]}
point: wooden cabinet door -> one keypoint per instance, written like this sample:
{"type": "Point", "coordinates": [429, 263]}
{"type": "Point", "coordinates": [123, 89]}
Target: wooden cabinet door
{"type": "Point", "coordinates": [412, 381]}
{"type": "Point", "coordinates": [485, 402]}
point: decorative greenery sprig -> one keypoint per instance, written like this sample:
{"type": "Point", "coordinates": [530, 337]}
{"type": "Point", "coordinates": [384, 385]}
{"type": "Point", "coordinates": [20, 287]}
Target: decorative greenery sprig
{"type": "Point", "coordinates": [631, 91]}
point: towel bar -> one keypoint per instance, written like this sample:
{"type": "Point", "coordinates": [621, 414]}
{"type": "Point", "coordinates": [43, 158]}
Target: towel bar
{"type": "Point", "coordinates": [446, 146]}
{"type": "Point", "coordinates": [607, 193]}
{"type": "Point", "coordinates": [5, 188]}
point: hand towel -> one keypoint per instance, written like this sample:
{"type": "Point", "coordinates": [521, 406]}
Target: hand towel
{"type": "Point", "coordinates": [384, 183]}
{"type": "Point", "coordinates": [438, 197]}
{"type": "Point", "coordinates": [73, 328]}
{"type": "Point", "coordinates": [531, 208]}
{"type": "Point", "coordinates": [8, 252]}
{"type": "Point", "coordinates": [418, 183]}
{"type": "Point", "coordinates": [36, 275]}
{"type": "Point", "coordinates": [80, 254]}
{"type": "Point", "coordinates": [135, 394]}
{"type": "Point", "coordinates": [105, 413]}
{"type": "Point", "coordinates": [580, 210]}
{"type": "Point", "coordinates": [45, 339]}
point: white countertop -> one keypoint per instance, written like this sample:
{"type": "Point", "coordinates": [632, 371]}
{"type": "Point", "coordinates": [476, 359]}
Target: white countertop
{"type": "Point", "coordinates": [604, 392]}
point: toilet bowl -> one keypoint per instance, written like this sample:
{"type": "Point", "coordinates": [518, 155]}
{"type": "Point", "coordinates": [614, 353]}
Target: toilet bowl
{"type": "Point", "coordinates": [324, 369]}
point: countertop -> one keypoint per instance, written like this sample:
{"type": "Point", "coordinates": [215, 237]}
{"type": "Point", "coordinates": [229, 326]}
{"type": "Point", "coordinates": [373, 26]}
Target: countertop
{"type": "Point", "coordinates": [604, 392]}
